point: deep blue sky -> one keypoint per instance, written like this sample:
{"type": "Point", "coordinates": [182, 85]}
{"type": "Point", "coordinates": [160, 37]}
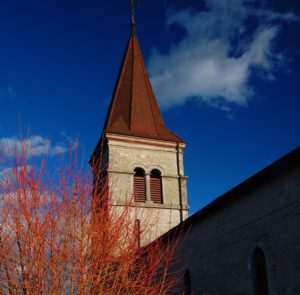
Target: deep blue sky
{"type": "Point", "coordinates": [59, 62]}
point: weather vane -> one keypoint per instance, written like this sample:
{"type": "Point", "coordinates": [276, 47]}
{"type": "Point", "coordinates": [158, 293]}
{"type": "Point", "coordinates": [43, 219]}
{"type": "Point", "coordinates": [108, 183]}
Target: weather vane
{"type": "Point", "coordinates": [132, 12]}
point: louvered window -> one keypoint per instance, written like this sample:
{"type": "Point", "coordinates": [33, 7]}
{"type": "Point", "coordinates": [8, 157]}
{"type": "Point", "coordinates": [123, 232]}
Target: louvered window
{"type": "Point", "coordinates": [139, 185]}
{"type": "Point", "coordinates": [156, 187]}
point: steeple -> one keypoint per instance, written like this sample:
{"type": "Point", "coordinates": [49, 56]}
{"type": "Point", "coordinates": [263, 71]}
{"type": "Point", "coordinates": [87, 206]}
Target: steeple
{"type": "Point", "coordinates": [134, 110]}
{"type": "Point", "coordinates": [137, 156]}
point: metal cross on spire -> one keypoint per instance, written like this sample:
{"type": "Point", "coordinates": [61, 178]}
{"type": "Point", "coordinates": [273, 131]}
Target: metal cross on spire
{"type": "Point", "coordinates": [132, 12]}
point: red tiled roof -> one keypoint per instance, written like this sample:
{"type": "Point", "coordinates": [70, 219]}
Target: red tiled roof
{"type": "Point", "coordinates": [134, 109]}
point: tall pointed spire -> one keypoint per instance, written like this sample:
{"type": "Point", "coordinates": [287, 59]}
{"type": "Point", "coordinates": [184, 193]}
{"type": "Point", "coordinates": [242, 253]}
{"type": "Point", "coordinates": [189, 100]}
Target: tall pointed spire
{"type": "Point", "coordinates": [134, 110]}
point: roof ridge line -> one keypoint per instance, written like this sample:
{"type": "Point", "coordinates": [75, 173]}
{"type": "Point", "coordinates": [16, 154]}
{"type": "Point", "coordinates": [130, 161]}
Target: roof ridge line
{"type": "Point", "coordinates": [132, 73]}
{"type": "Point", "coordinates": [147, 78]}
{"type": "Point", "coordinates": [117, 86]}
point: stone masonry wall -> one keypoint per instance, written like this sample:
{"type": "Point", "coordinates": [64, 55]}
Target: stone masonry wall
{"type": "Point", "coordinates": [218, 248]}
{"type": "Point", "coordinates": [124, 157]}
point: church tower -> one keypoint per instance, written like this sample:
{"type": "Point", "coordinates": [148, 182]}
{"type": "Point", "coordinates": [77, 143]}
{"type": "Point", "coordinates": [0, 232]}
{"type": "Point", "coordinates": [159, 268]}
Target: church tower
{"type": "Point", "coordinates": [141, 158]}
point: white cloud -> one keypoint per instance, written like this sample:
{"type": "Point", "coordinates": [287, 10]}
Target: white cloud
{"type": "Point", "coordinates": [73, 143]}
{"type": "Point", "coordinates": [275, 16]}
{"type": "Point", "coordinates": [34, 146]}
{"type": "Point", "coordinates": [7, 174]}
{"type": "Point", "coordinates": [218, 54]}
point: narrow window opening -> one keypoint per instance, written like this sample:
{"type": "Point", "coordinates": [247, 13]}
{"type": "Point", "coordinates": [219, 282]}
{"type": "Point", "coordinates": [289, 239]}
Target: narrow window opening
{"type": "Point", "coordinates": [156, 187]}
{"type": "Point", "coordinates": [139, 185]}
{"type": "Point", "coordinates": [259, 272]}
{"type": "Point", "coordinates": [137, 232]}
{"type": "Point", "coordinates": [187, 283]}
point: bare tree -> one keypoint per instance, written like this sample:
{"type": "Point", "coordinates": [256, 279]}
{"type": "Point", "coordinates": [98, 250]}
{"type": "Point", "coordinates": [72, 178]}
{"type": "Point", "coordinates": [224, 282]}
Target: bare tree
{"type": "Point", "coordinates": [58, 236]}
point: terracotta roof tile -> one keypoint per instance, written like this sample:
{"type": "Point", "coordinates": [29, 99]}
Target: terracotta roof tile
{"type": "Point", "coordinates": [134, 109]}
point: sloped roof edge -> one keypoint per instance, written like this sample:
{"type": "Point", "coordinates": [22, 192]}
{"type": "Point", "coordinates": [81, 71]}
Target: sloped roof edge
{"type": "Point", "coordinates": [292, 159]}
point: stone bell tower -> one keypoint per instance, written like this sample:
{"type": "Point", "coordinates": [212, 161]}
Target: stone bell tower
{"type": "Point", "coordinates": [142, 159]}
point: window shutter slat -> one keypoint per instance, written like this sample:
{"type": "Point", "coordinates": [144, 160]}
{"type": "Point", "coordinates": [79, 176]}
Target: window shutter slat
{"type": "Point", "coordinates": [139, 189]}
{"type": "Point", "coordinates": [156, 190]}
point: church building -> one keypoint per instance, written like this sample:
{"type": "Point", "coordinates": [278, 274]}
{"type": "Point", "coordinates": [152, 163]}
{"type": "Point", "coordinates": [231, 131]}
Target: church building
{"type": "Point", "coordinates": [247, 241]}
{"type": "Point", "coordinates": [140, 156]}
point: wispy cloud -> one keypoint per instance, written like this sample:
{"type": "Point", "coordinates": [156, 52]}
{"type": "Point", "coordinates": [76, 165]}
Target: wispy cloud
{"type": "Point", "coordinates": [35, 146]}
{"type": "Point", "coordinates": [6, 174]}
{"type": "Point", "coordinates": [218, 54]}
{"type": "Point", "coordinates": [73, 143]}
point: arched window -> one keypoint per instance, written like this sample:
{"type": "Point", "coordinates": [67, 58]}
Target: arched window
{"type": "Point", "coordinates": [156, 187]}
{"type": "Point", "coordinates": [139, 185]}
{"type": "Point", "coordinates": [259, 272]}
{"type": "Point", "coordinates": [187, 283]}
